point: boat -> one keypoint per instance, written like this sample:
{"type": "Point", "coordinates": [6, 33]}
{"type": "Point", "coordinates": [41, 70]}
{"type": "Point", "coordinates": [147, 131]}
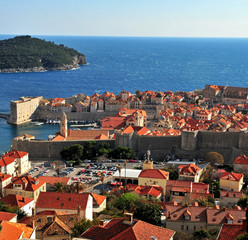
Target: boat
{"type": "Point", "coordinates": [38, 123]}
{"type": "Point", "coordinates": [85, 125]}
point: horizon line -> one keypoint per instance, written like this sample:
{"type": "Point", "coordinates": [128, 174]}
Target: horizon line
{"type": "Point", "coordinates": [114, 36]}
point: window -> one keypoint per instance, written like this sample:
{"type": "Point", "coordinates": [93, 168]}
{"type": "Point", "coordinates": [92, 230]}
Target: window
{"type": "Point", "coordinates": [187, 227]}
{"type": "Point", "coordinates": [194, 227]}
{"type": "Point", "coordinates": [182, 227]}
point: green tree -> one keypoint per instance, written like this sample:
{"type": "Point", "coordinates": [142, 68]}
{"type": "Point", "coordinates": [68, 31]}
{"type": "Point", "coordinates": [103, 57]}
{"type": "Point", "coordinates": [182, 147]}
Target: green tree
{"type": "Point", "coordinates": [60, 187]}
{"type": "Point", "coordinates": [73, 153]}
{"type": "Point", "coordinates": [243, 202]}
{"type": "Point", "coordinates": [242, 237]}
{"type": "Point", "coordinates": [200, 234]}
{"type": "Point", "coordinates": [126, 202]}
{"type": "Point", "coordinates": [82, 225]}
{"type": "Point", "coordinates": [122, 152]}
{"type": "Point", "coordinates": [214, 157]}
{"type": "Point", "coordinates": [182, 236]}
{"type": "Point", "coordinates": [90, 150]}
{"type": "Point", "coordinates": [103, 149]}
{"type": "Point", "coordinates": [206, 201]}
{"type": "Point", "coordinates": [173, 172]}
{"type": "Point", "coordinates": [148, 212]}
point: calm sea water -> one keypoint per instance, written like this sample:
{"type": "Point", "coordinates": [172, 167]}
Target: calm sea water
{"type": "Point", "coordinates": [117, 63]}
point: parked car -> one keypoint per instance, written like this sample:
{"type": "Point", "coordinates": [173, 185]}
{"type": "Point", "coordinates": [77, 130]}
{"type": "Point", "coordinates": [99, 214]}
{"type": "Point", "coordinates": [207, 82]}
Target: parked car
{"type": "Point", "coordinates": [131, 160]}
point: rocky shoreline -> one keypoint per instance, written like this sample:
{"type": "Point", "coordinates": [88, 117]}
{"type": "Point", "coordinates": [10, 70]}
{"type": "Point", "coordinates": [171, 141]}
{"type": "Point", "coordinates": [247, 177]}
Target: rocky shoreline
{"type": "Point", "coordinates": [77, 60]}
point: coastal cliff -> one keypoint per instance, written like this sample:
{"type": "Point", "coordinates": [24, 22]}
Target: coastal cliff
{"type": "Point", "coordinates": [27, 54]}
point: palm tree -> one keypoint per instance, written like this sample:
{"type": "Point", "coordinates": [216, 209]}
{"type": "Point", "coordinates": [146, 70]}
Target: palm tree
{"type": "Point", "coordinates": [59, 187]}
{"type": "Point", "coordinates": [125, 165]}
{"type": "Point", "coordinates": [77, 187]}
{"type": "Point", "coordinates": [102, 180]}
{"type": "Point", "coordinates": [119, 169]}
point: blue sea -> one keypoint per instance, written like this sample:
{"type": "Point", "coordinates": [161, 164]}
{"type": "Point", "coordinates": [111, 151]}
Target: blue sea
{"type": "Point", "coordinates": [130, 63]}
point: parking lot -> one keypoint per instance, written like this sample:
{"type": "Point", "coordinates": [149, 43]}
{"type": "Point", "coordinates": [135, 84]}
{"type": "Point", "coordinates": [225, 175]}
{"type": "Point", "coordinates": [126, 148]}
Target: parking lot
{"type": "Point", "coordinates": [88, 173]}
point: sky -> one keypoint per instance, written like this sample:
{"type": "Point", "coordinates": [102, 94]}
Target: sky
{"type": "Point", "coordinates": [153, 18]}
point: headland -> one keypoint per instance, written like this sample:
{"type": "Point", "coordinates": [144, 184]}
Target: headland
{"type": "Point", "coordinates": [27, 54]}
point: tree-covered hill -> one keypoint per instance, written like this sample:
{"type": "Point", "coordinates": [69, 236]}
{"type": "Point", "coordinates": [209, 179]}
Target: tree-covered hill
{"type": "Point", "coordinates": [24, 53]}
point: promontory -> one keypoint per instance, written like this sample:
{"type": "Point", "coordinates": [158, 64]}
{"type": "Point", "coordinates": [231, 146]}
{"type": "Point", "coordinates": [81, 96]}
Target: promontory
{"type": "Point", "coordinates": [28, 54]}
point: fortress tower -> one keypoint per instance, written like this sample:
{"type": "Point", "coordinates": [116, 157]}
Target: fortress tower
{"type": "Point", "coordinates": [63, 125]}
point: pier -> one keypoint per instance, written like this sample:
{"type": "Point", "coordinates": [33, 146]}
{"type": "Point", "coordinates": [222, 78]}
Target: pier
{"type": "Point", "coordinates": [4, 115]}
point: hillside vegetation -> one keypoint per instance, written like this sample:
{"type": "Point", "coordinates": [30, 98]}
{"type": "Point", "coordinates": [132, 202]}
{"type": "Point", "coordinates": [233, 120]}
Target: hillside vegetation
{"type": "Point", "coordinates": [25, 52]}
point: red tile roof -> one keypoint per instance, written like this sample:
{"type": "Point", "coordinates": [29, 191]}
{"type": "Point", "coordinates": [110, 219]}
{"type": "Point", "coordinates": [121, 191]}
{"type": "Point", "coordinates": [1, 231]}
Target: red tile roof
{"type": "Point", "coordinates": [4, 161]}
{"type": "Point", "coordinates": [85, 134]}
{"type": "Point", "coordinates": [242, 159]}
{"type": "Point", "coordinates": [154, 173]}
{"type": "Point", "coordinates": [143, 131]}
{"type": "Point", "coordinates": [28, 183]}
{"type": "Point", "coordinates": [230, 231]}
{"type": "Point", "coordinates": [55, 200]}
{"type": "Point", "coordinates": [58, 138]}
{"type": "Point", "coordinates": [52, 180]}
{"type": "Point", "coordinates": [129, 129]}
{"type": "Point", "coordinates": [4, 177]}
{"type": "Point", "coordinates": [116, 229]}
{"type": "Point", "coordinates": [16, 154]}
{"type": "Point", "coordinates": [6, 216]}
{"type": "Point", "coordinates": [231, 176]}
{"type": "Point", "coordinates": [16, 200]}
{"type": "Point", "coordinates": [102, 137]}
{"type": "Point", "coordinates": [231, 194]}
{"type": "Point", "coordinates": [220, 216]}
{"type": "Point", "coordinates": [98, 198]}
{"type": "Point", "coordinates": [192, 169]}
{"type": "Point", "coordinates": [9, 231]}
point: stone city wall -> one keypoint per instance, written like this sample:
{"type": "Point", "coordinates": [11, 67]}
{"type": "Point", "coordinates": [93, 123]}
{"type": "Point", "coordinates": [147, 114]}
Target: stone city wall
{"type": "Point", "coordinates": [188, 145]}
{"type": "Point", "coordinates": [47, 150]}
{"type": "Point", "coordinates": [83, 116]}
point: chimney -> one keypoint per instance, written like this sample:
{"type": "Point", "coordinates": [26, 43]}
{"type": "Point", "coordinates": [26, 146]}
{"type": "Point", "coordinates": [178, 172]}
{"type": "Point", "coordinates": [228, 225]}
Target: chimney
{"type": "Point", "coordinates": [79, 209]}
{"type": "Point", "coordinates": [49, 220]}
{"type": "Point", "coordinates": [237, 208]}
{"type": "Point", "coordinates": [102, 223]}
{"type": "Point", "coordinates": [216, 207]}
{"type": "Point", "coordinates": [128, 218]}
{"type": "Point", "coordinates": [195, 204]}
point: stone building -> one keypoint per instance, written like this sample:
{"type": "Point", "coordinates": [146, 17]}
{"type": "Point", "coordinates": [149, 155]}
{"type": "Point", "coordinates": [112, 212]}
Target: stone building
{"type": "Point", "coordinates": [22, 110]}
{"type": "Point", "coordinates": [25, 186]}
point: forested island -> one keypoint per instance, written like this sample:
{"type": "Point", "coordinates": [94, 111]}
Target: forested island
{"type": "Point", "coordinates": [28, 54]}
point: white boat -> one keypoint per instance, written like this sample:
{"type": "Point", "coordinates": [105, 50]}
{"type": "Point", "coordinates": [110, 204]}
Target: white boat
{"type": "Point", "coordinates": [38, 123]}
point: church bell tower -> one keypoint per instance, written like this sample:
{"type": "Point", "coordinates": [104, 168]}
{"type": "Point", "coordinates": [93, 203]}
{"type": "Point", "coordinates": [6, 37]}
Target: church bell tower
{"type": "Point", "coordinates": [63, 125]}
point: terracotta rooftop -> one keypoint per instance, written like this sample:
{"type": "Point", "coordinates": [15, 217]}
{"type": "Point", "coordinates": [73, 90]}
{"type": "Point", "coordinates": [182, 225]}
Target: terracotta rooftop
{"type": "Point", "coordinates": [58, 138]}
{"type": "Point", "coordinates": [6, 216]}
{"type": "Point", "coordinates": [28, 183]}
{"type": "Point", "coordinates": [231, 231]}
{"type": "Point", "coordinates": [56, 200]}
{"type": "Point", "coordinates": [16, 200]}
{"type": "Point", "coordinates": [116, 229]}
{"type": "Point", "coordinates": [4, 177]}
{"type": "Point", "coordinates": [191, 169]}
{"type": "Point", "coordinates": [154, 173]}
{"type": "Point", "coordinates": [231, 194]}
{"type": "Point", "coordinates": [52, 180]}
{"type": "Point", "coordinates": [231, 176]}
{"type": "Point", "coordinates": [242, 159]}
{"type": "Point", "coordinates": [98, 198]}
{"type": "Point", "coordinates": [85, 134]}
{"type": "Point", "coordinates": [15, 154]}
